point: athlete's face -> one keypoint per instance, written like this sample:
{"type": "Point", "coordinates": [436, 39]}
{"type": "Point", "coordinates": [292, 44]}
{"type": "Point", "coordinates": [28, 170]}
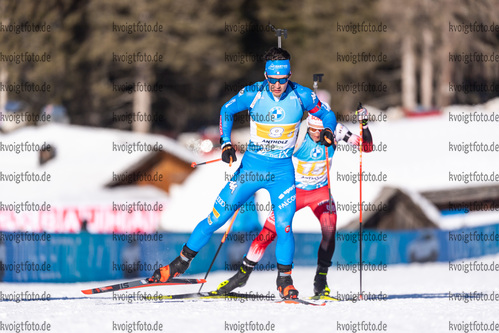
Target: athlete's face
{"type": "Point", "coordinates": [315, 133]}
{"type": "Point", "coordinates": [277, 88]}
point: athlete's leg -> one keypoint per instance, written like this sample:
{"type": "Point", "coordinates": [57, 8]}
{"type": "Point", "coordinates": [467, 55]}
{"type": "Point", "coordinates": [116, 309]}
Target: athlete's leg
{"type": "Point", "coordinates": [283, 197]}
{"type": "Point", "coordinates": [256, 251]}
{"type": "Point", "coordinates": [328, 229]}
{"type": "Point", "coordinates": [264, 238]}
{"type": "Point", "coordinates": [327, 221]}
{"type": "Point", "coordinates": [268, 233]}
{"type": "Point", "coordinates": [283, 178]}
{"type": "Point", "coordinates": [233, 196]}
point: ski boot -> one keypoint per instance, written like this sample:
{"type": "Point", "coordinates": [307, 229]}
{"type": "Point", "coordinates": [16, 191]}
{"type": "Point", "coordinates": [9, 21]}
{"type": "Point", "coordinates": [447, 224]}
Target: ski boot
{"type": "Point", "coordinates": [320, 282]}
{"type": "Point", "coordinates": [177, 267]}
{"type": "Point", "coordinates": [285, 282]}
{"type": "Point", "coordinates": [237, 280]}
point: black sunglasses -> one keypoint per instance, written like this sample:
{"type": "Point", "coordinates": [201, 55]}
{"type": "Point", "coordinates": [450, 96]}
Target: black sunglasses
{"type": "Point", "coordinates": [274, 80]}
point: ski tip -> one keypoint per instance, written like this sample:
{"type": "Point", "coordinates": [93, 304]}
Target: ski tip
{"type": "Point", "coordinates": [201, 281]}
{"type": "Point", "coordinates": [87, 291]}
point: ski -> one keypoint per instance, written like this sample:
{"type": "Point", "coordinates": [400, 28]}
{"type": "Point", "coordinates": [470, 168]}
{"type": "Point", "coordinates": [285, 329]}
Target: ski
{"type": "Point", "coordinates": [215, 295]}
{"type": "Point", "coordinates": [140, 284]}
{"type": "Point", "coordinates": [323, 298]}
{"type": "Point", "coordinates": [189, 296]}
{"type": "Point", "coordinates": [300, 301]}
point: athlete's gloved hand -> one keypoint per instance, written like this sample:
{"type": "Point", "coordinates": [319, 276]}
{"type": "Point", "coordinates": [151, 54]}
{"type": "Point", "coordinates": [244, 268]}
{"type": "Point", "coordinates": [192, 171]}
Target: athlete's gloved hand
{"type": "Point", "coordinates": [228, 153]}
{"type": "Point", "coordinates": [327, 137]}
{"type": "Point", "coordinates": [363, 116]}
{"type": "Point", "coordinates": [343, 133]}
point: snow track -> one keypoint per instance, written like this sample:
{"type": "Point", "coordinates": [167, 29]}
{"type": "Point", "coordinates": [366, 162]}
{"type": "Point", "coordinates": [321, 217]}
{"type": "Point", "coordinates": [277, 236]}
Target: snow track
{"type": "Point", "coordinates": [419, 298]}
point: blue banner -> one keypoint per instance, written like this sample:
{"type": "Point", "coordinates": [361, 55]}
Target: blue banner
{"type": "Point", "coordinates": [29, 257]}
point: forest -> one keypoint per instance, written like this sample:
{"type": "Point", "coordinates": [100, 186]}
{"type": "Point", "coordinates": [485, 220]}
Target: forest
{"type": "Point", "coordinates": [180, 61]}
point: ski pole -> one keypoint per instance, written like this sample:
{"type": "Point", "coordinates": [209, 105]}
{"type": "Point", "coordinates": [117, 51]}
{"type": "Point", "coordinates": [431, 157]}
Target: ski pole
{"type": "Point", "coordinates": [194, 164]}
{"type": "Point", "coordinates": [219, 247]}
{"type": "Point", "coordinates": [328, 182]}
{"type": "Point", "coordinates": [359, 107]}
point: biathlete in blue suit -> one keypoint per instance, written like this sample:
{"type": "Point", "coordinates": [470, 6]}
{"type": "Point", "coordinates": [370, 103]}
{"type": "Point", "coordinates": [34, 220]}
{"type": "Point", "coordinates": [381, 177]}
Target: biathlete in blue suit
{"type": "Point", "coordinates": [276, 107]}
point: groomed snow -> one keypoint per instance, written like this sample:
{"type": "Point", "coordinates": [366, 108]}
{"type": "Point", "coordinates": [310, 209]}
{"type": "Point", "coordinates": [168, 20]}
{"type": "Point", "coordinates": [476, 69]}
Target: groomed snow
{"type": "Point", "coordinates": [417, 301]}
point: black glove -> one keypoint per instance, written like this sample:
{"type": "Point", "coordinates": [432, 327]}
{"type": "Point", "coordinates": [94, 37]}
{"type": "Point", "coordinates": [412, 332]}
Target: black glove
{"type": "Point", "coordinates": [327, 137]}
{"type": "Point", "coordinates": [363, 116]}
{"type": "Point", "coordinates": [228, 154]}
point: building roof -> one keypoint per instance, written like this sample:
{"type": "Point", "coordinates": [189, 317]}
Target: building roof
{"type": "Point", "coordinates": [83, 165]}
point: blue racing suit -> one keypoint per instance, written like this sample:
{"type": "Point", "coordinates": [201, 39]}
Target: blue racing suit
{"type": "Point", "coordinates": [274, 124]}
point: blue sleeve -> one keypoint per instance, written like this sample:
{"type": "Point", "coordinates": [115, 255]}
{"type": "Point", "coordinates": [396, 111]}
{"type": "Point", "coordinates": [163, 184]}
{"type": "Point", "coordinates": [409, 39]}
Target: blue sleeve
{"type": "Point", "coordinates": [314, 106]}
{"type": "Point", "coordinates": [236, 104]}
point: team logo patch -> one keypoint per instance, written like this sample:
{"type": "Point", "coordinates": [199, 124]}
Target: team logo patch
{"type": "Point", "coordinates": [289, 189]}
{"type": "Point", "coordinates": [333, 210]}
{"type": "Point", "coordinates": [288, 228]}
{"type": "Point", "coordinates": [232, 186]}
{"type": "Point", "coordinates": [216, 213]}
{"type": "Point", "coordinates": [277, 113]}
{"type": "Point", "coordinates": [316, 153]}
{"type": "Point", "coordinates": [220, 201]}
{"type": "Point", "coordinates": [231, 102]}
{"type": "Point", "coordinates": [276, 67]}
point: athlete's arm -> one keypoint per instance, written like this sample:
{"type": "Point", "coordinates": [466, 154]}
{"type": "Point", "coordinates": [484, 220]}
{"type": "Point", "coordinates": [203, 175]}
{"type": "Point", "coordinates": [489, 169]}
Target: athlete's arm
{"type": "Point", "coordinates": [342, 133]}
{"type": "Point", "coordinates": [238, 103]}
{"type": "Point", "coordinates": [314, 106]}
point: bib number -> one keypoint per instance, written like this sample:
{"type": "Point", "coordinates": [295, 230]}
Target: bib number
{"type": "Point", "coordinates": [276, 132]}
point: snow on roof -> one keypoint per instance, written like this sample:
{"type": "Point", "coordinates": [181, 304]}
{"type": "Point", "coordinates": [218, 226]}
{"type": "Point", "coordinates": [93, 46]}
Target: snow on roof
{"type": "Point", "coordinates": [417, 158]}
{"type": "Point", "coordinates": [84, 164]}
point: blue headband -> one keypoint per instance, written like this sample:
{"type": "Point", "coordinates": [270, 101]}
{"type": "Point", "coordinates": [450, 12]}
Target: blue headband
{"type": "Point", "coordinates": [277, 67]}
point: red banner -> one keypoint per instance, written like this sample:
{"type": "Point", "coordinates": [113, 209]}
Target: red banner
{"type": "Point", "coordinates": [99, 219]}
